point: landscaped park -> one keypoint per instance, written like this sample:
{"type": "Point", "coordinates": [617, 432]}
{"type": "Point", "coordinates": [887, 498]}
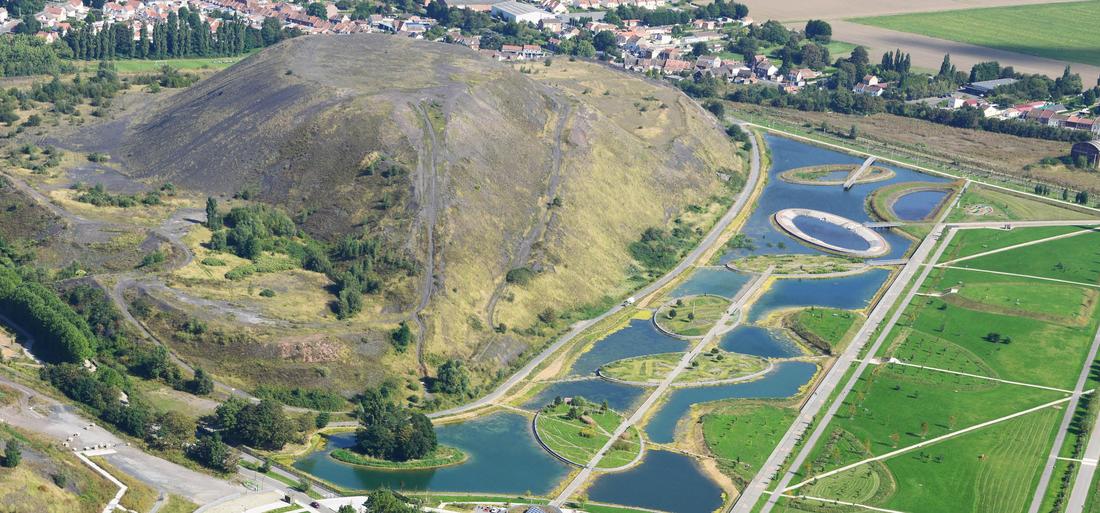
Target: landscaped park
{"type": "Point", "coordinates": [575, 430]}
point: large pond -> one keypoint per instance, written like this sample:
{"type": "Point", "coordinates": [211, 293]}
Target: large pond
{"type": "Point", "coordinates": [759, 341]}
{"type": "Point", "coordinates": [640, 338]}
{"type": "Point", "coordinates": [503, 458]}
{"type": "Point", "coordinates": [665, 480]}
{"type": "Point", "coordinates": [916, 206]}
{"type": "Point", "coordinates": [782, 382]}
{"type": "Point", "coordinates": [831, 233]}
{"type": "Point", "coordinates": [621, 398]}
{"type": "Point", "coordinates": [849, 293]}
{"type": "Point", "coordinates": [711, 280]}
{"type": "Point", "coordinates": [779, 194]}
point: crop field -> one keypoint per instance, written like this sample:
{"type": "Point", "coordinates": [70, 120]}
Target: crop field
{"type": "Point", "coordinates": [579, 439]}
{"type": "Point", "coordinates": [742, 435]}
{"type": "Point", "coordinates": [151, 65]}
{"type": "Point", "coordinates": [1054, 30]}
{"type": "Point", "coordinates": [691, 316]}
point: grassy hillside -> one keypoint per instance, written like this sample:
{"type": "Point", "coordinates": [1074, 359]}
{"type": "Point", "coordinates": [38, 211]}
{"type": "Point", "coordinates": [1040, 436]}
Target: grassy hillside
{"type": "Point", "coordinates": [1055, 31]}
{"type": "Point", "coordinates": [50, 480]}
{"type": "Point", "coordinates": [515, 194]}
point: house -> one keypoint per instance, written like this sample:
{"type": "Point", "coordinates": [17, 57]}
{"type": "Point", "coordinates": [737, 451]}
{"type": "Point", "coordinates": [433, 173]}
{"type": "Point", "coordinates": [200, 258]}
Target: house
{"type": "Point", "coordinates": [469, 41]}
{"type": "Point", "coordinates": [553, 25]}
{"type": "Point", "coordinates": [1088, 150]}
{"type": "Point", "coordinates": [554, 6]}
{"type": "Point", "coordinates": [1080, 123]}
{"type": "Point", "coordinates": [3, 15]}
{"type": "Point", "coordinates": [875, 89]}
{"type": "Point", "coordinates": [798, 77]}
{"type": "Point", "coordinates": [707, 62]}
{"type": "Point", "coordinates": [763, 67]}
{"type": "Point", "coordinates": [675, 66]}
{"type": "Point", "coordinates": [532, 52]}
{"type": "Point", "coordinates": [519, 13]}
{"type": "Point", "coordinates": [1046, 117]}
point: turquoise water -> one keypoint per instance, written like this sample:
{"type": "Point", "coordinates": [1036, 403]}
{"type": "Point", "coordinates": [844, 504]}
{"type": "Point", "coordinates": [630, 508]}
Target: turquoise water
{"type": "Point", "coordinates": [759, 341]}
{"type": "Point", "coordinates": [664, 480]}
{"type": "Point", "coordinates": [503, 458]}
{"type": "Point", "coordinates": [711, 280]}
{"type": "Point", "coordinates": [638, 339]}
{"type": "Point", "coordinates": [849, 293]}
{"type": "Point", "coordinates": [916, 206]}
{"type": "Point", "coordinates": [782, 382]}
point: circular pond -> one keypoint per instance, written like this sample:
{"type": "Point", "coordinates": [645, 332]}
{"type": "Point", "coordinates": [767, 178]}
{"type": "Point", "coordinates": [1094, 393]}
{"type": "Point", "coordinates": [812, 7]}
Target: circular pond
{"type": "Point", "coordinates": [831, 232]}
{"type": "Point", "coordinates": [918, 205]}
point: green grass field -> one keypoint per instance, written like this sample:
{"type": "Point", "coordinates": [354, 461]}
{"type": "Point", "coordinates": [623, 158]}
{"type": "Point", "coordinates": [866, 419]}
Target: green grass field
{"type": "Point", "coordinates": [709, 366]}
{"type": "Point", "coordinates": [1004, 206]}
{"type": "Point", "coordinates": [579, 439]}
{"type": "Point", "coordinates": [972, 242]}
{"type": "Point", "coordinates": [150, 65]}
{"type": "Point", "coordinates": [743, 434]}
{"type": "Point", "coordinates": [824, 326]}
{"type": "Point", "coordinates": [1056, 31]}
{"type": "Point", "coordinates": [692, 316]}
{"type": "Point", "coordinates": [1072, 259]}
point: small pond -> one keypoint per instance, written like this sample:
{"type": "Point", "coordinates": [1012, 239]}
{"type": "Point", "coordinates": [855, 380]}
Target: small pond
{"type": "Point", "coordinates": [638, 339]}
{"type": "Point", "coordinates": [831, 233]}
{"type": "Point", "coordinates": [664, 480]}
{"type": "Point", "coordinates": [918, 205]}
{"type": "Point", "coordinates": [759, 341]}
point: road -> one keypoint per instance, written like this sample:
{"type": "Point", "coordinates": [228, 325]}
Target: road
{"type": "Point", "coordinates": [715, 331]}
{"type": "Point", "coordinates": [1067, 420]}
{"type": "Point", "coordinates": [577, 328]}
{"type": "Point", "coordinates": [813, 406]}
{"type": "Point", "coordinates": [57, 421]}
{"type": "Point", "coordinates": [1080, 494]}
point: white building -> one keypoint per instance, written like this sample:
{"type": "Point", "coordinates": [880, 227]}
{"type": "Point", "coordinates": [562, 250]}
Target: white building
{"type": "Point", "coordinates": [517, 12]}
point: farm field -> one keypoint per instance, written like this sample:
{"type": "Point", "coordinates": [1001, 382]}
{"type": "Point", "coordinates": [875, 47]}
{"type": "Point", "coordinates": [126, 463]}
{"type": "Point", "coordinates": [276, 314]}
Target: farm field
{"type": "Point", "coordinates": [742, 434]}
{"type": "Point", "coordinates": [577, 431]}
{"type": "Point", "coordinates": [691, 316]}
{"type": "Point", "coordinates": [1048, 35]}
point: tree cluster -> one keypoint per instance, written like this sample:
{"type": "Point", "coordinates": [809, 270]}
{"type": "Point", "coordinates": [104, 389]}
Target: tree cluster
{"type": "Point", "coordinates": [262, 425]}
{"type": "Point", "coordinates": [390, 431]}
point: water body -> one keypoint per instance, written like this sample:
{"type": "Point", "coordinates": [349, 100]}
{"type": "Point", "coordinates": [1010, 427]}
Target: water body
{"type": "Point", "coordinates": [849, 293]}
{"type": "Point", "coordinates": [503, 458]}
{"type": "Point", "coordinates": [916, 206]}
{"type": "Point", "coordinates": [711, 280]}
{"type": "Point", "coordinates": [831, 233]}
{"type": "Point", "coordinates": [782, 382]}
{"type": "Point", "coordinates": [640, 338]}
{"type": "Point", "coordinates": [664, 480]}
{"type": "Point", "coordinates": [759, 341]}
{"type": "Point", "coordinates": [779, 194]}
{"type": "Point", "coordinates": [619, 397]}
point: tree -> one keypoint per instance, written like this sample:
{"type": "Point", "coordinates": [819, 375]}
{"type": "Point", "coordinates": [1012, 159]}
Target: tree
{"type": "Point", "coordinates": [894, 437]}
{"type": "Point", "coordinates": [391, 432]}
{"type": "Point", "coordinates": [853, 133]}
{"type": "Point", "coordinates": [212, 452]}
{"type": "Point", "coordinates": [13, 453]}
{"type": "Point", "coordinates": [699, 49]}
{"type": "Point", "coordinates": [452, 377]}
{"type": "Point", "coordinates": [819, 30]}
{"type": "Point", "coordinates": [263, 425]}
{"type": "Point", "coordinates": [213, 219]}
{"type": "Point", "coordinates": [401, 337]}
{"type": "Point", "coordinates": [322, 419]}
{"type": "Point", "coordinates": [202, 383]}
{"type": "Point", "coordinates": [384, 501]}
{"type": "Point", "coordinates": [175, 431]}
{"type": "Point", "coordinates": [317, 9]}
{"type": "Point", "coordinates": [923, 430]}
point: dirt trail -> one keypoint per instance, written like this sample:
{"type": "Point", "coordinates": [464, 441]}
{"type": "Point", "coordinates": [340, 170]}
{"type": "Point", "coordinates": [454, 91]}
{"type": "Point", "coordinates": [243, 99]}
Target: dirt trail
{"type": "Point", "coordinates": [542, 213]}
{"type": "Point", "coordinates": [427, 195]}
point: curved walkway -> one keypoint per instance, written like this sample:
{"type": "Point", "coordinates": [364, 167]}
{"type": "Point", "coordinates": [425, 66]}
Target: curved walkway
{"type": "Point", "coordinates": [877, 245]}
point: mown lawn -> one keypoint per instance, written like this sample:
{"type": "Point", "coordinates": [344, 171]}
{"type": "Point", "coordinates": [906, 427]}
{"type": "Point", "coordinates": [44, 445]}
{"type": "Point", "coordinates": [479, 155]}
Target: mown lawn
{"type": "Point", "coordinates": [1009, 207]}
{"type": "Point", "coordinates": [828, 325]}
{"type": "Point", "coordinates": [743, 434]}
{"type": "Point", "coordinates": [693, 316]}
{"type": "Point", "coordinates": [579, 439]}
{"type": "Point", "coordinates": [1073, 259]}
{"type": "Point", "coordinates": [1063, 31]}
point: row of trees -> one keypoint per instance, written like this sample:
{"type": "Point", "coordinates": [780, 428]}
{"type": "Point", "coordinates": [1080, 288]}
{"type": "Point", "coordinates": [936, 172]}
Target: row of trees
{"type": "Point", "coordinates": [59, 333]}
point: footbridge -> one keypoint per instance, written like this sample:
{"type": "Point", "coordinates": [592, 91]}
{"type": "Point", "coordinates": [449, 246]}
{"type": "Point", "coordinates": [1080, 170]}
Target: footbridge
{"type": "Point", "coordinates": [883, 224]}
{"type": "Point", "coordinates": [854, 175]}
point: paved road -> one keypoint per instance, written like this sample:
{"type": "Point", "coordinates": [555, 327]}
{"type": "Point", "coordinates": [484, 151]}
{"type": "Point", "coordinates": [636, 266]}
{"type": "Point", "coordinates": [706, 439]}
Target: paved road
{"type": "Point", "coordinates": [1080, 494]}
{"type": "Point", "coordinates": [1067, 419]}
{"type": "Point", "coordinates": [715, 331]}
{"type": "Point", "coordinates": [708, 241]}
{"type": "Point", "coordinates": [57, 421]}
{"type": "Point", "coordinates": [810, 410]}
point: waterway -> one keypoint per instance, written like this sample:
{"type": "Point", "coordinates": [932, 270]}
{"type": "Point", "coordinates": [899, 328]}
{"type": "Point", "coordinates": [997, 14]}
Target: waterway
{"type": "Point", "coordinates": [503, 455]}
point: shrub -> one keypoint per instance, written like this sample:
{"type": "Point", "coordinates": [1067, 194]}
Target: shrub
{"type": "Point", "coordinates": [520, 276]}
{"type": "Point", "coordinates": [267, 293]}
{"type": "Point", "coordinates": [213, 262]}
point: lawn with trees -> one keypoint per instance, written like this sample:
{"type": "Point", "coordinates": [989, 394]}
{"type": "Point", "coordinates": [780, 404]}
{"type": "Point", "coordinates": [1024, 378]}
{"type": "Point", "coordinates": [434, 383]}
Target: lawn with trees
{"type": "Point", "coordinates": [578, 429]}
{"type": "Point", "coordinates": [741, 435]}
{"type": "Point", "coordinates": [691, 316]}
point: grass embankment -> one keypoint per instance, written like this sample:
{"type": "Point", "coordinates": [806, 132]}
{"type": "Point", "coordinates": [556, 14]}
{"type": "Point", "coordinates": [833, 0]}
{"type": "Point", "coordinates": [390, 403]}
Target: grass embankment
{"type": "Point", "coordinates": [35, 485]}
{"type": "Point", "coordinates": [443, 456]}
{"type": "Point", "coordinates": [152, 65]}
{"type": "Point", "coordinates": [577, 432]}
{"type": "Point", "coordinates": [715, 365]}
{"type": "Point", "coordinates": [830, 174]}
{"type": "Point", "coordinates": [823, 328]}
{"type": "Point", "coordinates": [985, 204]}
{"type": "Point", "coordinates": [139, 496]}
{"type": "Point", "coordinates": [798, 264]}
{"type": "Point", "coordinates": [1013, 328]}
{"type": "Point", "coordinates": [177, 504]}
{"type": "Point", "coordinates": [692, 316]}
{"type": "Point", "coordinates": [1051, 38]}
{"type": "Point", "coordinates": [742, 435]}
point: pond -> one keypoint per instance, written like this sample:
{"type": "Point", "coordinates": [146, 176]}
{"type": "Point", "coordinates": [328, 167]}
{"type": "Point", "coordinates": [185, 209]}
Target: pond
{"type": "Point", "coordinates": [831, 233]}
{"type": "Point", "coordinates": [619, 397]}
{"type": "Point", "coordinates": [664, 480]}
{"type": "Point", "coordinates": [759, 341]}
{"type": "Point", "coordinates": [918, 205]}
{"type": "Point", "coordinates": [638, 339]}
{"type": "Point", "coordinates": [516, 466]}
{"type": "Point", "coordinates": [848, 293]}
{"type": "Point", "coordinates": [711, 280]}
{"type": "Point", "coordinates": [782, 382]}
{"type": "Point", "coordinates": [779, 194]}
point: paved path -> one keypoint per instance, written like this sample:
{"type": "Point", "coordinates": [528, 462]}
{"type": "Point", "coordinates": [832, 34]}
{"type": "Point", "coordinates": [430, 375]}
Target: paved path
{"type": "Point", "coordinates": [854, 175]}
{"type": "Point", "coordinates": [894, 361]}
{"type": "Point", "coordinates": [1017, 275]}
{"type": "Point", "coordinates": [1080, 494]}
{"type": "Point", "coordinates": [813, 406]}
{"type": "Point", "coordinates": [1067, 419]}
{"type": "Point", "coordinates": [735, 309]}
{"type": "Point", "coordinates": [842, 503]}
{"type": "Point", "coordinates": [738, 205]}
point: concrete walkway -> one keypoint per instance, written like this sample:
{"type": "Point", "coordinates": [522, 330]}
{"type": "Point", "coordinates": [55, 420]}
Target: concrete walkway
{"type": "Point", "coordinates": [853, 177]}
